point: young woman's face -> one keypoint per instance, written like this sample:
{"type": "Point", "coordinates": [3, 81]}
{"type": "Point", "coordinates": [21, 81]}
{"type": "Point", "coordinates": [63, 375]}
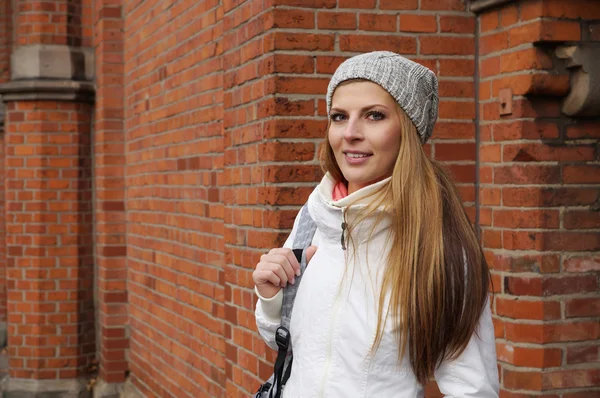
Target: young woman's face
{"type": "Point", "coordinates": [364, 133]}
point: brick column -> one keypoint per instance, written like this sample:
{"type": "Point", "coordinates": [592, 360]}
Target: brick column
{"type": "Point", "coordinates": [5, 49]}
{"type": "Point", "coordinates": [540, 197]}
{"type": "Point", "coordinates": [109, 200]}
{"type": "Point", "coordinates": [48, 190]}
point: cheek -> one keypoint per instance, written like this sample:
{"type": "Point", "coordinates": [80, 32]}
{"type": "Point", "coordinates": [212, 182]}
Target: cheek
{"type": "Point", "coordinates": [335, 139]}
{"type": "Point", "coordinates": [390, 146]}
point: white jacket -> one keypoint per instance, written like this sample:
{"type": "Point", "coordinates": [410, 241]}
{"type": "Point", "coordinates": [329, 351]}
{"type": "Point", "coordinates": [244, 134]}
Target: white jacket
{"type": "Point", "coordinates": [334, 319]}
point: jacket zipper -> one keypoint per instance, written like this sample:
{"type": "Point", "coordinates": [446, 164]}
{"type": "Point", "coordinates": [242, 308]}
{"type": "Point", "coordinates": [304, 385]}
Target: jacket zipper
{"type": "Point", "coordinates": [336, 305]}
{"type": "Point", "coordinates": [344, 225]}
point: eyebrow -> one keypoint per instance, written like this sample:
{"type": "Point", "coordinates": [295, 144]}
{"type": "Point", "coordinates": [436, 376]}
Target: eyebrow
{"type": "Point", "coordinates": [363, 109]}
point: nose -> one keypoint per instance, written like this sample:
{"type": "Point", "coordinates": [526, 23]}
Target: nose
{"type": "Point", "coordinates": [353, 130]}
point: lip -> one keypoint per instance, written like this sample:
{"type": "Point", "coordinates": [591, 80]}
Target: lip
{"type": "Point", "coordinates": [357, 161]}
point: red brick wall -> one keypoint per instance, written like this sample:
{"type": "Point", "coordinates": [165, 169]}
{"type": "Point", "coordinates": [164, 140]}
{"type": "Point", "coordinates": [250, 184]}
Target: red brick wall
{"type": "Point", "coordinates": [50, 266]}
{"type": "Point", "coordinates": [175, 234]}
{"type": "Point", "coordinates": [53, 22]}
{"type": "Point", "coordinates": [207, 120]}
{"type": "Point", "coordinates": [109, 190]}
{"type": "Point", "coordinates": [539, 202]}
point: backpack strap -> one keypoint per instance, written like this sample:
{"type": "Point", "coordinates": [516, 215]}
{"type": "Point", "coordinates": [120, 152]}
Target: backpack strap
{"type": "Point", "coordinates": [303, 239]}
{"type": "Point", "coordinates": [283, 364]}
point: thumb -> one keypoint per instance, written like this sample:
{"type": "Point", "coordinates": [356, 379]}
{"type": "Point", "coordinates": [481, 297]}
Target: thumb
{"type": "Point", "coordinates": [310, 252]}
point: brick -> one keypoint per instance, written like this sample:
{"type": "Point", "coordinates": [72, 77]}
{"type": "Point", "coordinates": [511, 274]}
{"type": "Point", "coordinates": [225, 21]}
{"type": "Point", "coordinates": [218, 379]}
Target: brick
{"type": "Point", "coordinates": [456, 110]}
{"type": "Point", "coordinates": [377, 22]}
{"type": "Point", "coordinates": [571, 378]}
{"type": "Point", "coordinates": [457, 24]}
{"type": "Point", "coordinates": [547, 263]}
{"type": "Point", "coordinates": [581, 219]}
{"type": "Point", "coordinates": [446, 45]}
{"type": "Point", "coordinates": [531, 58]}
{"type": "Point", "coordinates": [534, 84]}
{"type": "Point", "coordinates": [569, 285]}
{"type": "Point", "coordinates": [544, 30]}
{"type": "Point", "coordinates": [306, 4]}
{"type": "Point", "coordinates": [582, 264]}
{"type": "Point", "coordinates": [527, 174]}
{"type": "Point", "coordinates": [551, 240]}
{"type": "Point", "coordinates": [336, 20]}
{"type": "Point", "coordinates": [454, 130]}
{"type": "Point", "coordinates": [293, 19]}
{"type": "Point", "coordinates": [456, 67]}
{"type": "Point", "coordinates": [288, 64]}
{"type": "Point", "coordinates": [541, 152]}
{"type": "Point", "coordinates": [583, 130]}
{"type": "Point", "coordinates": [362, 43]}
{"type": "Point", "coordinates": [547, 219]}
{"type": "Point", "coordinates": [525, 130]}
{"type": "Point", "coordinates": [308, 42]}
{"type": "Point", "coordinates": [363, 4]}
{"type": "Point", "coordinates": [326, 64]}
{"type": "Point", "coordinates": [522, 380]}
{"type": "Point", "coordinates": [526, 309]}
{"type": "Point", "coordinates": [581, 174]}
{"type": "Point", "coordinates": [529, 357]}
{"type": "Point", "coordinates": [398, 4]}
{"type": "Point", "coordinates": [547, 197]}
{"type": "Point", "coordinates": [585, 9]}
{"type": "Point", "coordinates": [418, 23]}
{"type": "Point", "coordinates": [447, 152]}
{"type": "Point", "coordinates": [548, 333]}
{"type": "Point", "coordinates": [494, 42]}
{"type": "Point", "coordinates": [301, 85]}
{"type": "Point", "coordinates": [489, 21]}
{"type": "Point", "coordinates": [583, 307]}
{"type": "Point", "coordinates": [583, 354]}
{"type": "Point", "coordinates": [509, 16]}
{"type": "Point", "coordinates": [490, 67]}
{"type": "Point", "coordinates": [443, 5]}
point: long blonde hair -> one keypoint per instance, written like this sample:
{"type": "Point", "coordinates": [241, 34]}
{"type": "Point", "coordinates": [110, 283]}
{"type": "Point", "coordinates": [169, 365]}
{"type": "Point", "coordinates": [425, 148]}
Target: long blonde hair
{"type": "Point", "coordinates": [436, 276]}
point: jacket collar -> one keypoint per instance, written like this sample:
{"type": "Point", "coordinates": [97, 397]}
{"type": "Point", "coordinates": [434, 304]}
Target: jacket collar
{"type": "Point", "coordinates": [329, 214]}
{"type": "Point", "coordinates": [360, 197]}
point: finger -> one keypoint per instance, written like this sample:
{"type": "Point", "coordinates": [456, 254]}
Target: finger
{"type": "Point", "coordinates": [280, 272]}
{"type": "Point", "coordinates": [310, 252]}
{"type": "Point", "coordinates": [289, 254]}
{"type": "Point", "coordinates": [266, 276]}
{"type": "Point", "coordinates": [279, 257]}
{"type": "Point", "coordinates": [284, 261]}
{"type": "Point", "coordinates": [274, 279]}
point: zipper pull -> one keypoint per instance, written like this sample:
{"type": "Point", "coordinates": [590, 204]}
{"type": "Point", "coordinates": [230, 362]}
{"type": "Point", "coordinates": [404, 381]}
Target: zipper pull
{"type": "Point", "coordinates": [343, 240]}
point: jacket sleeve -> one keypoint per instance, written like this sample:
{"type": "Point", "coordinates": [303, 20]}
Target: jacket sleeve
{"type": "Point", "coordinates": [474, 373]}
{"type": "Point", "coordinates": [268, 311]}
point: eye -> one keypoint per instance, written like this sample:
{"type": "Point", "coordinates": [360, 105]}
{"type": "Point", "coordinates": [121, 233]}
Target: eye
{"type": "Point", "coordinates": [337, 117]}
{"type": "Point", "coordinates": [375, 115]}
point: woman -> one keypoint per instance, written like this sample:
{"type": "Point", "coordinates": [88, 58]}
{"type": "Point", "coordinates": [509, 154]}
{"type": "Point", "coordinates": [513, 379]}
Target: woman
{"type": "Point", "coordinates": [397, 287]}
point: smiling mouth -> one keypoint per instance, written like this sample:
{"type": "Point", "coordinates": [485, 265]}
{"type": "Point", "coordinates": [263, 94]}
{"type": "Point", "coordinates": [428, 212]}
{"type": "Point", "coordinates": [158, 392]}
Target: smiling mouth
{"type": "Point", "coordinates": [357, 155]}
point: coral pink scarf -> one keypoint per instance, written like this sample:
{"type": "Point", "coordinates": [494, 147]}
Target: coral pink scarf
{"type": "Point", "coordinates": [340, 191]}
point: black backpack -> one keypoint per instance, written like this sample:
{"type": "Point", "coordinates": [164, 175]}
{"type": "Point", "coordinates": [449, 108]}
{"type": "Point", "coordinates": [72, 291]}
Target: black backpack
{"type": "Point", "coordinates": [273, 387]}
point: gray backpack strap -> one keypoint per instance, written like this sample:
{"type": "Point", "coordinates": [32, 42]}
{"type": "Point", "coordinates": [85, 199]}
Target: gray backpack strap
{"type": "Point", "coordinates": [303, 239]}
{"type": "Point", "coordinates": [273, 387]}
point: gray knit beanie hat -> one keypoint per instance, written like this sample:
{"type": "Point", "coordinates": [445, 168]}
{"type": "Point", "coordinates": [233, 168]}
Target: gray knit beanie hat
{"type": "Point", "coordinates": [413, 86]}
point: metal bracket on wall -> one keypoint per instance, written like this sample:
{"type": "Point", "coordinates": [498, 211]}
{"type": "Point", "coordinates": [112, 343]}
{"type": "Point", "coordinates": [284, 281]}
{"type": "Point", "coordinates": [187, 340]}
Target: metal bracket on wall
{"type": "Point", "coordinates": [505, 98]}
